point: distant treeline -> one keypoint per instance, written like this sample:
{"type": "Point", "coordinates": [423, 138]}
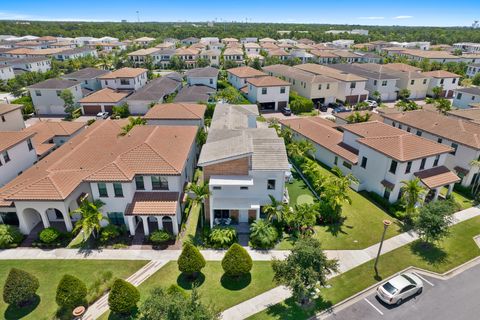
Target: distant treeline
{"type": "Point", "coordinates": [316, 32]}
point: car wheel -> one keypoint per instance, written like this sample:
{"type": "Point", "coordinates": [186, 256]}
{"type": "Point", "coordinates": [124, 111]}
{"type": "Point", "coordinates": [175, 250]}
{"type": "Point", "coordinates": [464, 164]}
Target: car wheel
{"type": "Point", "coordinates": [419, 290]}
{"type": "Point", "coordinates": [399, 301]}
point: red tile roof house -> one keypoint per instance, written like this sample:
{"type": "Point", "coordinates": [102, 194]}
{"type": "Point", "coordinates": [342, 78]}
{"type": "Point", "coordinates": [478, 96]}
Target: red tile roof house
{"type": "Point", "coordinates": [140, 177]}
{"type": "Point", "coordinates": [176, 114]}
{"type": "Point", "coordinates": [379, 155]}
{"type": "Point", "coordinates": [270, 93]}
{"type": "Point", "coordinates": [238, 76]}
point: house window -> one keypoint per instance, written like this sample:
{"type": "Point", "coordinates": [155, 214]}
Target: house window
{"type": "Point", "coordinates": [124, 82]}
{"type": "Point", "coordinates": [3, 119]}
{"type": "Point", "coordinates": [271, 184]}
{"type": "Point", "coordinates": [400, 126]}
{"type": "Point", "coordinates": [335, 161]}
{"type": "Point", "coordinates": [439, 140]}
{"type": "Point", "coordinates": [320, 87]}
{"type": "Point", "coordinates": [38, 93]}
{"type": "Point", "coordinates": [353, 85]}
{"type": "Point", "coordinates": [117, 190]}
{"type": "Point", "coordinates": [243, 188]}
{"type": "Point", "coordinates": [364, 162]}
{"type": "Point", "coordinates": [409, 167]}
{"type": "Point", "coordinates": [419, 133]}
{"type": "Point", "coordinates": [386, 193]}
{"type": "Point", "coordinates": [102, 190]}
{"type": "Point", "coordinates": [442, 81]}
{"type": "Point", "coordinates": [59, 93]}
{"type": "Point", "coordinates": [384, 83]}
{"type": "Point", "coordinates": [454, 80]}
{"type": "Point", "coordinates": [347, 165]}
{"type": "Point", "coordinates": [424, 81]}
{"type": "Point", "coordinates": [328, 86]}
{"type": "Point", "coordinates": [393, 124]}
{"type": "Point", "coordinates": [6, 156]}
{"type": "Point", "coordinates": [455, 147]}
{"type": "Point", "coordinates": [422, 164]}
{"type": "Point", "coordinates": [30, 145]}
{"type": "Point", "coordinates": [459, 96]}
{"type": "Point", "coordinates": [211, 81]}
{"type": "Point", "coordinates": [435, 162]}
{"type": "Point", "coordinates": [374, 82]}
{"type": "Point", "coordinates": [412, 82]}
{"type": "Point", "coordinates": [159, 183]}
{"type": "Point", "coordinates": [409, 129]}
{"type": "Point", "coordinates": [116, 218]}
{"type": "Point", "coordinates": [139, 183]}
{"type": "Point", "coordinates": [217, 188]}
{"type": "Point", "coordinates": [393, 167]}
{"type": "Point", "coordinates": [282, 89]}
{"type": "Point", "coordinates": [264, 90]}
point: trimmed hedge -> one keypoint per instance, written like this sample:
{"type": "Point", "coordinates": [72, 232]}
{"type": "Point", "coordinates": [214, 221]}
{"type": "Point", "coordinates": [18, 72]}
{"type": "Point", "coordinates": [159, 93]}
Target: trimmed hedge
{"type": "Point", "coordinates": [299, 104]}
{"type": "Point", "coordinates": [10, 236]}
{"type": "Point", "coordinates": [123, 297]}
{"type": "Point", "coordinates": [191, 260]}
{"type": "Point", "coordinates": [237, 261]}
{"type": "Point", "coordinates": [71, 292]}
{"type": "Point", "coordinates": [20, 287]}
{"type": "Point", "coordinates": [160, 237]}
{"type": "Point", "coordinates": [49, 235]}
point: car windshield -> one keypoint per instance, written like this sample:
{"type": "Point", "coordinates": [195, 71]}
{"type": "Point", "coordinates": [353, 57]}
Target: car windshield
{"type": "Point", "coordinates": [390, 288]}
{"type": "Point", "coordinates": [409, 279]}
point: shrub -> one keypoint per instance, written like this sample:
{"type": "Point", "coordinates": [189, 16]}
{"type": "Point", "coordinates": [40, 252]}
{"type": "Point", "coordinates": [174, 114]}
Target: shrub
{"type": "Point", "coordinates": [263, 234]}
{"type": "Point", "coordinates": [49, 235]}
{"type": "Point", "coordinates": [9, 235]}
{"type": "Point", "coordinates": [160, 236]}
{"type": "Point", "coordinates": [123, 297]}
{"type": "Point", "coordinates": [90, 122]}
{"type": "Point", "coordinates": [20, 287]}
{"type": "Point", "coordinates": [109, 232]}
{"type": "Point", "coordinates": [299, 104]}
{"type": "Point", "coordinates": [71, 292]}
{"type": "Point", "coordinates": [222, 237]}
{"type": "Point", "coordinates": [191, 260]}
{"type": "Point", "coordinates": [236, 261]}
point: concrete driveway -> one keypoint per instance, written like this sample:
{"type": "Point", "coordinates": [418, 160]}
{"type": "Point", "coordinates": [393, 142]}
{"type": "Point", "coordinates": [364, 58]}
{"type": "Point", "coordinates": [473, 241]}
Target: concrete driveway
{"type": "Point", "coordinates": [456, 298]}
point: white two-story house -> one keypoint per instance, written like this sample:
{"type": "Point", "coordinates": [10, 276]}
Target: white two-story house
{"type": "Point", "coordinates": [11, 118]}
{"type": "Point", "coordinates": [88, 77]}
{"type": "Point", "coordinates": [448, 81]}
{"type": "Point", "coordinates": [124, 79]}
{"type": "Point", "coordinates": [238, 76]}
{"type": "Point", "coordinates": [17, 154]}
{"type": "Point", "coordinates": [464, 98]}
{"type": "Point", "coordinates": [207, 76]}
{"type": "Point", "coordinates": [243, 165]}
{"type": "Point", "coordinates": [46, 95]}
{"type": "Point", "coordinates": [270, 93]}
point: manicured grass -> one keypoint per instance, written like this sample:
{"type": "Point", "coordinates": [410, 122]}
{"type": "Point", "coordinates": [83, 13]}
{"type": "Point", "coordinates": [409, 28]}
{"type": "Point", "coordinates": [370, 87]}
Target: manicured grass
{"type": "Point", "coordinates": [192, 223]}
{"type": "Point", "coordinates": [214, 289]}
{"type": "Point", "coordinates": [463, 201]}
{"type": "Point", "coordinates": [49, 273]}
{"type": "Point", "coordinates": [451, 252]}
{"type": "Point", "coordinates": [362, 225]}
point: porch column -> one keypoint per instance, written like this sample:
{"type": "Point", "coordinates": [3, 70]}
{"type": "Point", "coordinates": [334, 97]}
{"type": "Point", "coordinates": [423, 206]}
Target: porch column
{"type": "Point", "coordinates": [45, 221]}
{"type": "Point", "coordinates": [450, 189]}
{"type": "Point", "coordinates": [160, 222]}
{"type": "Point", "coordinates": [257, 214]}
{"type": "Point", "coordinates": [437, 193]}
{"type": "Point", "coordinates": [131, 225]}
{"type": "Point", "coordinates": [68, 221]}
{"type": "Point", "coordinates": [145, 225]}
{"type": "Point", "coordinates": [175, 226]}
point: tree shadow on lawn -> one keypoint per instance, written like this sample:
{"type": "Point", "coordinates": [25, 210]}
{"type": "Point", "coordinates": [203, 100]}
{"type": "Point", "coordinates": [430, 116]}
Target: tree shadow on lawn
{"type": "Point", "coordinates": [291, 310]}
{"type": "Point", "coordinates": [187, 283]}
{"type": "Point", "coordinates": [235, 284]}
{"type": "Point", "coordinates": [13, 313]}
{"type": "Point", "coordinates": [335, 228]}
{"type": "Point", "coordinates": [430, 253]}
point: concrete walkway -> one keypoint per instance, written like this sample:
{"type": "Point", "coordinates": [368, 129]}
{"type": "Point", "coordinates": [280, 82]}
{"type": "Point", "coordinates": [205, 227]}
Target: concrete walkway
{"type": "Point", "coordinates": [101, 305]}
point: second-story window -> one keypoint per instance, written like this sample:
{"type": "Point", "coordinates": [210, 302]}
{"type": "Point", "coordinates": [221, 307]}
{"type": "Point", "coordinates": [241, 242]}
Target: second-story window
{"type": "Point", "coordinates": [282, 89]}
{"type": "Point", "coordinates": [353, 85]}
{"type": "Point", "coordinates": [124, 82]}
{"type": "Point", "coordinates": [264, 90]}
{"type": "Point", "coordinates": [139, 183]}
{"type": "Point", "coordinates": [30, 145]}
{"type": "Point", "coordinates": [102, 190]}
{"type": "Point", "coordinates": [455, 147]}
{"type": "Point", "coordinates": [3, 119]}
{"type": "Point", "coordinates": [118, 190]}
{"type": "Point", "coordinates": [159, 183]}
{"type": "Point", "coordinates": [435, 162]}
{"type": "Point", "coordinates": [271, 184]}
{"type": "Point", "coordinates": [364, 162]}
{"type": "Point", "coordinates": [6, 156]}
{"type": "Point", "coordinates": [393, 167]}
{"type": "Point", "coordinates": [422, 164]}
{"type": "Point", "coordinates": [409, 167]}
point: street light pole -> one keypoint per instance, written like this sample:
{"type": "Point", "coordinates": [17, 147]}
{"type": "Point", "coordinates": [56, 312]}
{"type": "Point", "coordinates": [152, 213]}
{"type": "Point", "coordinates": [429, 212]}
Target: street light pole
{"type": "Point", "coordinates": [386, 223]}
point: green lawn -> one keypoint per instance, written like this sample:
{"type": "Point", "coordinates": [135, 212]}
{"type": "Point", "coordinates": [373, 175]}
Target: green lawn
{"type": "Point", "coordinates": [361, 228]}
{"type": "Point", "coordinates": [453, 251]}
{"type": "Point", "coordinates": [49, 273]}
{"type": "Point", "coordinates": [214, 289]}
{"type": "Point", "coordinates": [463, 201]}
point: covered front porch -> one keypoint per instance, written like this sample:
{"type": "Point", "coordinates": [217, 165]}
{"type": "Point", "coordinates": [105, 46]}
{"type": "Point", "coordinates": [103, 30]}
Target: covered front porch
{"type": "Point", "coordinates": [233, 211]}
{"type": "Point", "coordinates": [435, 179]}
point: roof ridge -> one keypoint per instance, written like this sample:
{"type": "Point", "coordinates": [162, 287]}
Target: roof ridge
{"type": "Point", "coordinates": [155, 151]}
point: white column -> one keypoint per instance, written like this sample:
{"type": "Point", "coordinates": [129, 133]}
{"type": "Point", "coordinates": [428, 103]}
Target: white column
{"type": "Point", "coordinates": [450, 189]}
{"type": "Point", "coordinates": [46, 222]}
{"type": "Point", "coordinates": [68, 221]}
{"type": "Point", "coordinates": [175, 226]}
{"type": "Point", "coordinates": [437, 193]}
{"type": "Point", "coordinates": [160, 222]}
{"type": "Point", "coordinates": [257, 214]}
{"type": "Point", "coordinates": [131, 225]}
{"type": "Point", "coordinates": [145, 226]}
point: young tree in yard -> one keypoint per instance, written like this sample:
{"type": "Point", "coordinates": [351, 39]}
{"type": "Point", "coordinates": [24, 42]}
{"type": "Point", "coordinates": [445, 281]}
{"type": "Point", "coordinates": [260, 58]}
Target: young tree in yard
{"type": "Point", "coordinates": [263, 234]}
{"type": "Point", "coordinates": [176, 63]}
{"type": "Point", "coordinates": [357, 117]}
{"type": "Point", "coordinates": [123, 297]}
{"type": "Point", "coordinates": [404, 94]}
{"type": "Point", "coordinates": [202, 63]}
{"type": "Point", "coordinates": [91, 217]}
{"type": "Point", "coordinates": [191, 261]}
{"type": "Point", "coordinates": [437, 91]}
{"type": "Point", "coordinates": [412, 194]}
{"type": "Point", "coordinates": [407, 105]}
{"type": "Point", "coordinates": [476, 80]}
{"type": "Point", "coordinates": [304, 270]}
{"type": "Point", "coordinates": [229, 64]}
{"type": "Point", "coordinates": [301, 219]}
{"type": "Point", "coordinates": [275, 209]}
{"type": "Point", "coordinates": [237, 261]}
{"type": "Point", "coordinates": [376, 95]}
{"type": "Point", "coordinates": [201, 192]}
{"type": "Point", "coordinates": [335, 193]}
{"type": "Point", "coordinates": [433, 221]}
{"type": "Point", "coordinates": [20, 287]}
{"type": "Point", "coordinates": [132, 122]}
{"type": "Point", "coordinates": [256, 64]}
{"type": "Point", "coordinates": [121, 111]}
{"type": "Point", "coordinates": [69, 103]}
{"type": "Point", "coordinates": [300, 149]}
{"type": "Point", "coordinates": [287, 135]}
{"type": "Point", "coordinates": [443, 105]}
{"type": "Point", "coordinates": [71, 292]}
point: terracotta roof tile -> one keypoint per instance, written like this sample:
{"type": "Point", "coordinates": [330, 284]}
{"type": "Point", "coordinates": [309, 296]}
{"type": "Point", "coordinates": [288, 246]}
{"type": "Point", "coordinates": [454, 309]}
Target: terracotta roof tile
{"type": "Point", "coordinates": [105, 95]}
{"type": "Point", "coordinates": [153, 203]}
{"type": "Point", "coordinates": [176, 111]}
{"type": "Point", "coordinates": [267, 81]}
{"type": "Point", "coordinates": [123, 73]}
{"type": "Point", "coordinates": [7, 108]}
{"type": "Point", "coordinates": [437, 177]}
{"type": "Point", "coordinates": [9, 139]}
{"type": "Point", "coordinates": [246, 72]}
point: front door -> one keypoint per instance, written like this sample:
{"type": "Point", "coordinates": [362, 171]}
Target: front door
{"type": "Point", "coordinates": [243, 216]}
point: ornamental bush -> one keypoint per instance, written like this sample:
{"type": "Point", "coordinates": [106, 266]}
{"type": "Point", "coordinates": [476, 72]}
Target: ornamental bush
{"type": "Point", "coordinates": [236, 261]}
{"type": "Point", "coordinates": [20, 287]}
{"type": "Point", "coordinates": [191, 260]}
{"type": "Point", "coordinates": [299, 104]}
{"type": "Point", "coordinates": [123, 297]}
{"type": "Point", "coordinates": [49, 235]}
{"type": "Point", "coordinates": [160, 236]}
{"type": "Point", "coordinates": [222, 237]}
{"type": "Point", "coordinates": [71, 292]}
{"type": "Point", "coordinates": [9, 235]}
{"type": "Point", "coordinates": [109, 232]}
{"type": "Point", "coordinates": [262, 234]}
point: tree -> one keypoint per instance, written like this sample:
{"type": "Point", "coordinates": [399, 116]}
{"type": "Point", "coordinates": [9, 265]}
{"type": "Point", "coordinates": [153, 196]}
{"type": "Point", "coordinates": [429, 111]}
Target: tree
{"type": "Point", "coordinates": [191, 261]}
{"type": "Point", "coordinates": [407, 105]}
{"type": "Point", "coordinates": [357, 117]}
{"type": "Point", "coordinates": [300, 149]}
{"type": "Point", "coordinates": [304, 270]}
{"type": "Point", "coordinates": [412, 194]}
{"type": "Point", "coordinates": [275, 209]}
{"type": "Point", "coordinates": [20, 287]}
{"type": "Point", "coordinates": [121, 111]}
{"type": "Point", "coordinates": [229, 64]}
{"type": "Point", "coordinates": [256, 64]}
{"type": "Point", "coordinates": [231, 95]}
{"type": "Point", "coordinates": [404, 94]}
{"type": "Point", "coordinates": [176, 63]}
{"type": "Point", "coordinates": [443, 105]}
{"type": "Point", "coordinates": [201, 137]}
{"type": "Point", "coordinates": [377, 96]}
{"type": "Point", "coordinates": [123, 297]}
{"type": "Point", "coordinates": [263, 234]}
{"type": "Point", "coordinates": [475, 188]}
{"type": "Point", "coordinates": [201, 191]}
{"type": "Point", "coordinates": [287, 135]}
{"type": "Point", "coordinates": [91, 217]}
{"type": "Point", "coordinates": [174, 303]}
{"type": "Point", "coordinates": [237, 261]}
{"type": "Point", "coordinates": [476, 79]}
{"type": "Point", "coordinates": [335, 192]}
{"type": "Point", "coordinates": [9, 235]}
{"type": "Point", "coordinates": [437, 91]}
{"type": "Point", "coordinates": [222, 237]}
{"type": "Point", "coordinates": [302, 218]}
{"type": "Point", "coordinates": [71, 292]}
{"type": "Point", "coordinates": [69, 103]}
{"type": "Point", "coordinates": [132, 122]}
{"type": "Point", "coordinates": [202, 63]}
{"type": "Point", "coordinates": [299, 104]}
{"type": "Point", "coordinates": [433, 221]}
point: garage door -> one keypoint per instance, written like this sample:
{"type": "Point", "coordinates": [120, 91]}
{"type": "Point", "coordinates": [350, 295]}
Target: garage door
{"type": "Point", "coordinates": [450, 94]}
{"type": "Point", "coordinates": [282, 104]}
{"type": "Point", "coordinates": [351, 99]}
{"type": "Point", "coordinates": [108, 109]}
{"type": "Point", "coordinates": [91, 110]}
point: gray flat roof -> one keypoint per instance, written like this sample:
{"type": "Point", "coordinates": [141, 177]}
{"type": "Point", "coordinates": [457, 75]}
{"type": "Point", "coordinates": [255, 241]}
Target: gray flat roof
{"type": "Point", "coordinates": [54, 84]}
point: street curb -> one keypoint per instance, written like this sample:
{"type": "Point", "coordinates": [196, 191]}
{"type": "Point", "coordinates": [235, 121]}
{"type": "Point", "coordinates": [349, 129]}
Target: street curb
{"type": "Point", "coordinates": [441, 276]}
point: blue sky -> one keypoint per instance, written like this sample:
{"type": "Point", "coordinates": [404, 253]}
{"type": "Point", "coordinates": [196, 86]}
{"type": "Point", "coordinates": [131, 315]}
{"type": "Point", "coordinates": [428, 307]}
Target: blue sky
{"type": "Point", "coordinates": [370, 12]}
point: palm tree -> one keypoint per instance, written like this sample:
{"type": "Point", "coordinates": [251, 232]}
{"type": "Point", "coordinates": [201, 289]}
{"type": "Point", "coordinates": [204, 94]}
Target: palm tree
{"type": "Point", "coordinates": [443, 105]}
{"type": "Point", "coordinates": [299, 149]}
{"type": "Point", "coordinates": [412, 194]}
{"type": "Point", "coordinates": [201, 190]}
{"type": "Point", "coordinates": [132, 123]}
{"type": "Point", "coordinates": [357, 117]}
{"type": "Point", "coordinates": [376, 95]}
{"type": "Point", "coordinates": [263, 234]}
{"type": "Point", "coordinates": [91, 217]}
{"type": "Point", "coordinates": [275, 210]}
{"type": "Point", "coordinates": [437, 91]}
{"type": "Point", "coordinates": [287, 135]}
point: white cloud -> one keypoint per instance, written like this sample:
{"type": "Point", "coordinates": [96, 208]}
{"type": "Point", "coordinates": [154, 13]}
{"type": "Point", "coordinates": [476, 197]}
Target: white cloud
{"type": "Point", "coordinates": [371, 18]}
{"type": "Point", "coordinates": [403, 17]}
